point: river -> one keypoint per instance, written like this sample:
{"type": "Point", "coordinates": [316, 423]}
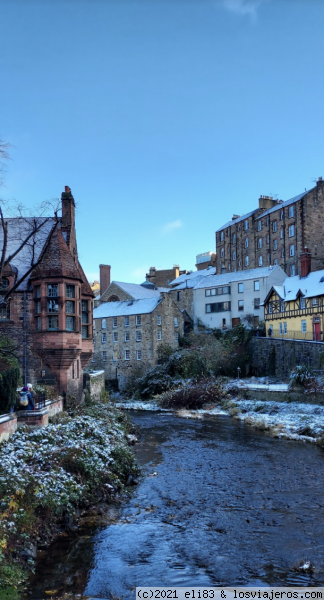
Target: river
{"type": "Point", "coordinates": [220, 503]}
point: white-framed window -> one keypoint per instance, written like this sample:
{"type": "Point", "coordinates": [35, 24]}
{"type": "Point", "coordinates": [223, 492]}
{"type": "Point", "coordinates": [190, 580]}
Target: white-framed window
{"type": "Point", "coordinates": [292, 250]}
{"type": "Point", "coordinates": [115, 355]}
{"type": "Point", "coordinates": [159, 320]}
{"type": "Point", "coordinates": [291, 211]}
{"type": "Point", "coordinates": [241, 304]}
{"type": "Point", "coordinates": [246, 224]}
{"type": "Point", "coordinates": [275, 244]}
{"type": "Point", "coordinates": [176, 337]}
{"type": "Point", "coordinates": [115, 336]}
{"type": "Point", "coordinates": [126, 321]}
{"type": "Point", "coordinates": [103, 323]}
{"type": "Point", "coordinates": [260, 261]}
{"type": "Point", "coordinates": [256, 285]}
{"type": "Point", "coordinates": [114, 321]}
{"type": "Point", "coordinates": [292, 270]}
{"type": "Point", "coordinates": [304, 326]}
{"type": "Point", "coordinates": [127, 336]}
{"type": "Point", "coordinates": [260, 243]}
{"type": "Point", "coordinates": [104, 338]}
{"type": "Point", "coordinates": [302, 303]}
{"type": "Point", "coordinates": [246, 242]}
{"type": "Point", "coordinates": [176, 321]}
{"type": "Point", "coordinates": [274, 226]}
{"type": "Point", "coordinates": [291, 230]}
{"type": "Point", "coordinates": [159, 335]}
{"type": "Point", "coordinates": [240, 288]}
{"type": "Point", "coordinates": [138, 319]}
{"type": "Point", "coordinates": [246, 261]}
{"type": "Point", "coordinates": [127, 355]}
{"type": "Point", "coordinates": [222, 236]}
{"type": "Point", "coordinates": [222, 252]}
{"type": "Point", "coordinates": [138, 354]}
{"type": "Point", "coordinates": [282, 328]}
{"type": "Point", "coordinates": [138, 335]}
{"type": "Point", "coordinates": [234, 254]}
{"type": "Point", "coordinates": [104, 355]}
{"type": "Point", "coordinates": [314, 301]}
{"type": "Point", "coordinates": [259, 225]}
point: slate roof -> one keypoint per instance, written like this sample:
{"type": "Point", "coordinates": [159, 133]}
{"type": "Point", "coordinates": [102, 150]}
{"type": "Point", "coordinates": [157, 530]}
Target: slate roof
{"type": "Point", "coordinates": [242, 218]}
{"type": "Point", "coordinates": [227, 278]}
{"type": "Point", "coordinates": [192, 278]}
{"type": "Point", "coordinates": [126, 307]}
{"type": "Point", "coordinates": [308, 287]}
{"type": "Point", "coordinates": [137, 291]}
{"type": "Point", "coordinates": [282, 205]}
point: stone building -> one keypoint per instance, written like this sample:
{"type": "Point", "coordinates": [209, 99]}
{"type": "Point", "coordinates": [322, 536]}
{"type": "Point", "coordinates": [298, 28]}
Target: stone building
{"type": "Point", "coordinates": [275, 233]}
{"type": "Point", "coordinates": [182, 292]}
{"type": "Point", "coordinates": [162, 277]}
{"type": "Point", "coordinates": [205, 260]}
{"type": "Point", "coordinates": [130, 324]}
{"type": "Point", "coordinates": [49, 313]}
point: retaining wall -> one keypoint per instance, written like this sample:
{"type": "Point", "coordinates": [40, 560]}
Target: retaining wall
{"type": "Point", "coordinates": [8, 426]}
{"type": "Point", "coordinates": [273, 356]}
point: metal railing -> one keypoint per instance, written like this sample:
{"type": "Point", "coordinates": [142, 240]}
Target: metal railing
{"type": "Point", "coordinates": [295, 335]}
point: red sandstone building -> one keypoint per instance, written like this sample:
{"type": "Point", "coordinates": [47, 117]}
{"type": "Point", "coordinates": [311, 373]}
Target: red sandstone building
{"type": "Point", "coordinates": [49, 314]}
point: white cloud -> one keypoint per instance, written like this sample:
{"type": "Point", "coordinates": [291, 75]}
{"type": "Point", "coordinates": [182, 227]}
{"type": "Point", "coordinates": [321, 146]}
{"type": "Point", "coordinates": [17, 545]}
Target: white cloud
{"type": "Point", "coordinates": [244, 7]}
{"type": "Point", "coordinates": [171, 226]}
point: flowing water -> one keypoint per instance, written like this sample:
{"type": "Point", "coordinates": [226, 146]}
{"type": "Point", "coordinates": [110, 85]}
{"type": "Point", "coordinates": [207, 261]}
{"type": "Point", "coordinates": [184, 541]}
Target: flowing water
{"type": "Point", "coordinates": [220, 504]}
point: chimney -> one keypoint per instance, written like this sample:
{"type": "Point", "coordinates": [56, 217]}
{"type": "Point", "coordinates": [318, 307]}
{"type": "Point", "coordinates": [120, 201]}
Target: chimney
{"type": "Point", "coordinates": [234, 217]}
{"type": "Point", "coordinates": [305, 263]}
{"type": "Point", "coordinates": [68, 221]}
{"type": "Point", "coordinates": [104, 277]}
{"type": "Point", "coordinates": [267, 202]}
{"type": "Point", "coordinates": [320, 181]}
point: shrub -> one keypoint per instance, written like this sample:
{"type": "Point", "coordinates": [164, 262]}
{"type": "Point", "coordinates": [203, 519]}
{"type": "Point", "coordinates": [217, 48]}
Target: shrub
{"type": "Point", "coordinates": [300, 375]}
{"type": "Point", "coordinates": [9, 378]}
{"type": "Point", "coordinates": [194, 395]}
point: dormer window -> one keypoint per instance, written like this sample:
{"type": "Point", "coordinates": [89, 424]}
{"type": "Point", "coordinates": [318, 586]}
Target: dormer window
{"type": "Point", "coordinates": [4, 283]}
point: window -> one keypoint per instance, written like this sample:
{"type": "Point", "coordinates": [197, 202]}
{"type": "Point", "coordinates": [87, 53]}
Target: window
{"type": "Point", "coordinates": [268, 239]}
{"type": "Point", "coordinates": [275, 244]}
{"type": "Point", "coordinates": [127, 337]}
{"type": "Point", "coordinates": [139, 355]}
{"type": "Point", "coordinates": [176, 321]}
{"type": "Point", "coordinates": [37, 291]}
{"type": "Point", "coordinates": [84, 331]}
{"type": "Point", "coordinates": [282, 328]}
{"type": "Point", "coordinates": [314, 301]}
{"type": "Point", "coordinates": [228, 250]}
{"type": "Point", "coordinates": [38, 323]}
{"type": "Point", "coordinates": [126, 321]}
{"type": "Point", "coordinates": [217, 307]}
{"type": "Point", "coordinates": [260, 261]}
{"type": "Point", "coordinates": [270, 308]}
{"type": "Point", "coordinates": [138, 335]}
{"type": "Point", "coordinates": [69, 323]}
{"type": "Point", "coordinates": [292, 270]}
{"type": "Point", "coordinates": [5, 311]}
{"type": "Point", "coordinates": [292, 250]}
{"type": "Point", "coordinates": [291, 211]}
{"type": "Point", "coordinates": [69, 307]}
{"type": "Point", "coordinates": [240, 288]}
{"type": "Point", "coordinates": [246, 224]}
{"type": "Point", "coordinates": [256, 303]}
{"type": "Point", "coordinates": [222, 236]}
{"type": "Point", "coordinates": [115, 336]}
{"type": "Point", "coordinates": [234, 255]}
{"type": "Point", "coordinates": [246, 242]}
{"type": "Point", "coordinates": [246, 261]}
{"type": "Point", "coordinates": [37, 307]}
{"type": "Point", "coordinates": [159, 320]}
{"type": "Point", "coordinates": [115, 355]}
{"type": "Point", "coordinates": [207, 292]}
{"type": "Point", "coordinates": [84, 318]}
{"type": "Point", "coordinates": [256, 285]}
{"type": "Point", "coordinates": [69, 291]}
{"type": "Point", "coordinates": [52, 323]}
{"type": "Point", "coordinates": [114, 321]}
{"type": "Point", "coordinates": [268, 257]}
{"type": "Point", "coordinates": [104, 355]}
{"type": "Point", "coordinates": [259, 225]}
{"type": "Point", "coordinates": [275, 262]}
{"type": "Point", "coordinates": [52, 289]}
{"type": "Point", "coordinates": [222, 252]}
{"type": "Point", "coordinates": [138, 319]}
{"type": "Point", "coordinates": [52, 306]}
{"type": "Point", "coordinates": [103, 323]}
{"type": "Point", "coordinates": [104, 338]}
{"type": "Point", "coordinates": [302, 303]}
{"type": "Point", "coordinates": [234, 238]}
{"type": "Point", "coordinates": [241, 304]}
{"type": "Point", "coordinates": [291, 230]}
{"type": "Point", "coordinates": [260, 243]}
{"type": "Point", "coordinates": [281, 214]}
{"type": "Point", "coordinates": [176, 337]}
{"type": "Point", "coordinates": [304, 326]}
{"type": "Point", "coordinates": [281, 233]}
{"type": "Point", "coordinates": [282, 307]}
{"type": "Point", "coordinates": [282, 253]}
{"type": "Point", "coordinates": [127, 355]}
{"type": "Point", "coordinates": [178, 296]}
{"type": "Point", "coordinates": [268, 221]}
{"type": "Point", "coordinates": [274, 226]}
{"type": "Point", "coordinates": [159, 335]}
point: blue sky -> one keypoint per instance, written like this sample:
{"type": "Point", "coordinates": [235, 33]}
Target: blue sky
{"type": "Point", "coordinates": [164, 117]}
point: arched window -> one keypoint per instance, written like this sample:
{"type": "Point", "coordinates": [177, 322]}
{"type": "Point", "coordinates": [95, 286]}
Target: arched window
{"type": "Point", "coordinates": [113, 299]}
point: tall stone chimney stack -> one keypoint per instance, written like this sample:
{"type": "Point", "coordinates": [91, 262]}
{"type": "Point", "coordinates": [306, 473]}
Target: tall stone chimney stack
{"type": "Point", "coordinates": [104, 277]}
{"type": "Point", "coordinates": [68, 221]}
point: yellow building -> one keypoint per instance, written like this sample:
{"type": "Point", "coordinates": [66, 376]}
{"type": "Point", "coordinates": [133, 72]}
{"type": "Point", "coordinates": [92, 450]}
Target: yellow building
{"type": "Point", "coordinates": [295, 309]}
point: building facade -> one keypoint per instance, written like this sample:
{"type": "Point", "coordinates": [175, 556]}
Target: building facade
{"type": "Point", "coordinates": [49, 312]}
{"type": "Point", "coordinates": [275, 233]}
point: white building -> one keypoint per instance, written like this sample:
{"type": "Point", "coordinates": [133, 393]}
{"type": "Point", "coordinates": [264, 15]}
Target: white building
{"type": "Point", "coordinates": [223, 301]}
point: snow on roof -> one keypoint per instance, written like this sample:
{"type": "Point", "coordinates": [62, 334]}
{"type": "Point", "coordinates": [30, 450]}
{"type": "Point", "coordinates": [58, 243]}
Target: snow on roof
{"type": "Point", "coordinates": [126, 307]}
{"type": "Point", "coordinates": [242, 218]}
{"type": "Point", "coordinates": [308, 287]}
{"type": "Point", "coordinates": [190, 277]}
{"type": "Point", "coordinates": [137, 291]}
{"type": "Point", "coordinates": [18, 230]}
{"type": "Point", "coordinates": [283, 204]}
{"type": "Point", "coordinates": [227, 278]}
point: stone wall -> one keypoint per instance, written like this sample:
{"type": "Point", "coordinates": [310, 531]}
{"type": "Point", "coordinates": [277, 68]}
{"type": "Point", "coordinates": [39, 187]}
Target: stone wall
{"type": "Point", "coordinates": [95, 384]}
{"type": "Point", "coordinates": [184, 300]}
{"type": "Point", "coordinates": [8, 426]}
{"type": "Point", "coordinates": [278, 357]}
{"type": "Point", "coordinates": [54, 406]}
